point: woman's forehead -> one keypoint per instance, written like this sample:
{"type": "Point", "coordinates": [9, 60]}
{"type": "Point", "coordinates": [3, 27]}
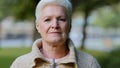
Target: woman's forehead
{"type": "Point", "coordinates": [53, 10]}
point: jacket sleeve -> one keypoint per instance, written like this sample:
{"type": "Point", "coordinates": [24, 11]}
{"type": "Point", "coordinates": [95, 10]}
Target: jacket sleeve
{"type": "Point", "coordinates": [23, 61]}
{"type": "Point", "coordinates": [95, 64]}
{"type": "Point", "coordinates": [15, 64]}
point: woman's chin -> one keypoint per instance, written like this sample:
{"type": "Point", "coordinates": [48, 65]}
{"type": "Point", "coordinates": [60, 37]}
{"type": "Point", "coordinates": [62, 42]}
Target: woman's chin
{"type": "Point", "coordinates": [55, 40]}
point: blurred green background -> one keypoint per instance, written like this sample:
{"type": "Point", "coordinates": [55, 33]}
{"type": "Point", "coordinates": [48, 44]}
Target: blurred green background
{"type": "Point", "coordinates": [95, 29]}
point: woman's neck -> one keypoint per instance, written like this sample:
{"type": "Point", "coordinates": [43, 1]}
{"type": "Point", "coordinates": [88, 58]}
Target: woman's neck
{"type": "Point", "coordinates": [54, 51]}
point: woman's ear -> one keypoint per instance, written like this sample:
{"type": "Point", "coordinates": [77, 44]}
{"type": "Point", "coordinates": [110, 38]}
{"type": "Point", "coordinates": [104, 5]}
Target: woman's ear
{"type": "Point", "coordinates": [37, 26]}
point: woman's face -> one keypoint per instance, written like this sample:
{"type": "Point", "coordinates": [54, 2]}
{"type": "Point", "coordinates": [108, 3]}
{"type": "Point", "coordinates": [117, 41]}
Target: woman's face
{"type": "Point", "coordinates": [53, 24]}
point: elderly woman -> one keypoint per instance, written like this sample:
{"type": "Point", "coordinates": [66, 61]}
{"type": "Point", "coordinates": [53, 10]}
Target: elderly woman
{"type": "Point", "coordinates": [54, 49]}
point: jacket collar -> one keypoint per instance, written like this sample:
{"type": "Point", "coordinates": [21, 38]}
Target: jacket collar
{"type": "Point", "coordinates": [37, 54]}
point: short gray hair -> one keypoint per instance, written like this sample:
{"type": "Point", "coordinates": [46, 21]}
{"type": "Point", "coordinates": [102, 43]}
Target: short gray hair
{"type": "Point", "coordinates": [65, 3]}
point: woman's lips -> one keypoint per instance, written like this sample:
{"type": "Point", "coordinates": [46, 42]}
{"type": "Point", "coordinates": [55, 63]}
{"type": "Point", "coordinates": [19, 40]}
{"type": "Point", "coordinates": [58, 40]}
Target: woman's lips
{"type": "Point", "coordinates": [54, 32]}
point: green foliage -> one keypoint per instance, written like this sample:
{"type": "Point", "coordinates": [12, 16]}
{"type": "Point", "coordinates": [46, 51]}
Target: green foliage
{"type": "Point", "coordinates": [108, 18]}
{"type": "Point", "coordinates": [6, 7]}
{"type": "Point", "coordinates": [114, 59]}
{"type": "Point", "coordinates": [24, 9]}
{"type": "Point", "coordinates": [90, 5]}
{"type": "Point", "coordinates": [111, 60]}
{"type": "Point", "coordinates": [20, 9]}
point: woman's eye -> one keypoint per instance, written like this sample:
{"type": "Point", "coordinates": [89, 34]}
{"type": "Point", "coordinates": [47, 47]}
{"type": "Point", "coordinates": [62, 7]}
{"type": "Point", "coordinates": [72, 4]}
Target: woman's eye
{"type": "Point", "coordinates": [46, 20]}
{"type": "Point", "coordinates": [62, 19]}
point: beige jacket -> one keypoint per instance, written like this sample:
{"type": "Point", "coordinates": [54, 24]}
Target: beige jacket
{"type": "Point", "coordinates": [35, 59]}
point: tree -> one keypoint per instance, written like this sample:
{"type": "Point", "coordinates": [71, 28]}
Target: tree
{"type": "Point", "coordinates": [87, 6]}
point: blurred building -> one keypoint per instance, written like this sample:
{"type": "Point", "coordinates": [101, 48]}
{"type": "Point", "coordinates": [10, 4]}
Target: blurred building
{"type": "Point", "coordinates": [11, 29]}
{"type": "Point", "coordinates": [97, 38]}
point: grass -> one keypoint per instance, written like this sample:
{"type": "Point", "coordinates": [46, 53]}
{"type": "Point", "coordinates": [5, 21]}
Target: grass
{"type": "Point", "coordinates": [8, 55]}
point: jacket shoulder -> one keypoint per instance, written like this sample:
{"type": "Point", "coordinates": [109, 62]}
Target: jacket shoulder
{"type": "Point", "coordinates": [21, 61]}
{"type": "Point", "coordinates": [86, 60]}
{"type": "Point", "coordinates": [84, 55]}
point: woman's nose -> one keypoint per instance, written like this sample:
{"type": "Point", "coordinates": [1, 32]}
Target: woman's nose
{"type": "Point", "coordinates": [55, 24]}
